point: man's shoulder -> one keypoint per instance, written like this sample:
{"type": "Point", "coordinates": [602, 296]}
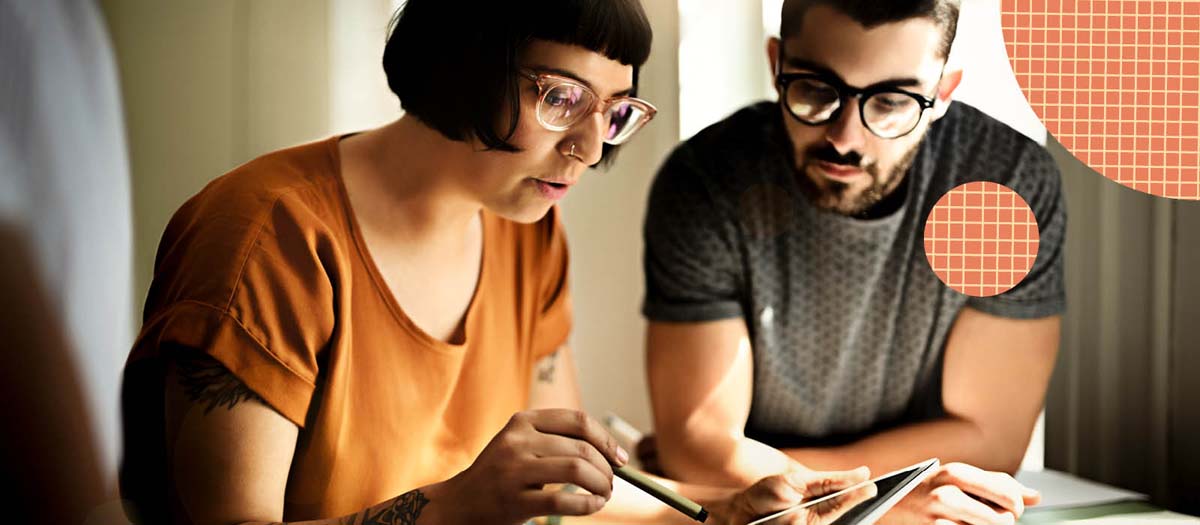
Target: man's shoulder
{"type": "Point", "coordinates": [742, 132]}
{"type": "Point", "coordinates": [726, 155]}
{"type": "Point", "coordinates": [969, 145]}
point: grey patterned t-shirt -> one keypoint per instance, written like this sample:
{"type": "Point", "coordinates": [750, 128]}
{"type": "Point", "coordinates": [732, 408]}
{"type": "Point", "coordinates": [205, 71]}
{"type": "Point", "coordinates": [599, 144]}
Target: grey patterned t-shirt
{"type": "Point", "coordinates": [847, 320]}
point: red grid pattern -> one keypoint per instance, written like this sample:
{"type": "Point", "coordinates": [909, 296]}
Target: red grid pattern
{"type": "Point", "coordinates": [981, 239]}
{"type": "Point", "coordinates": [1117, 82]}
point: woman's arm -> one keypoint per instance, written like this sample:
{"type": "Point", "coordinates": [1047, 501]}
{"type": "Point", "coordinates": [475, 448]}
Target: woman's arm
{"type": "Point", "coordinates": [229, 454]}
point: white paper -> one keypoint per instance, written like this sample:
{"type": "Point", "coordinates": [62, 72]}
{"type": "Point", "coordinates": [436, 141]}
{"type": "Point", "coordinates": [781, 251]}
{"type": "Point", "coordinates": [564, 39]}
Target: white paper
{"type": "Point", "coordinates": [1061, 490]}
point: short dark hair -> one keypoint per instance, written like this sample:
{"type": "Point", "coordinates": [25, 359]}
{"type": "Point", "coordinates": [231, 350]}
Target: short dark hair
{"type": "Point", "coordinates": [454, 66]}
{"type": "Point", "coordinates": [871, 13]}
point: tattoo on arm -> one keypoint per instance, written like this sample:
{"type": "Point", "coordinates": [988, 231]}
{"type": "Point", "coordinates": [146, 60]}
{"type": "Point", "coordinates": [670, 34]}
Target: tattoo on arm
{"type": "Point", "coordinates": [545, 372]}
{"type": "Point", "coordinates": [207, 381]}
{"type": "Point", "coordinates": [401, 510]}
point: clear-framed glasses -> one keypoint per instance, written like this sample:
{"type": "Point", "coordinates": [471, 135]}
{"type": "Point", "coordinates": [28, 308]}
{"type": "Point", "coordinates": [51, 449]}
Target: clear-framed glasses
{"type": "Point", "coordinates": [562, 102]}
{"type": "Point", "coordinates": [815, 99]}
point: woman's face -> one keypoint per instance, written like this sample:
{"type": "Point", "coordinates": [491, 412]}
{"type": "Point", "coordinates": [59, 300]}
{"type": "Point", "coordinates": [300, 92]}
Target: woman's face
{"type": "Point", "coordinates": [522, 186]}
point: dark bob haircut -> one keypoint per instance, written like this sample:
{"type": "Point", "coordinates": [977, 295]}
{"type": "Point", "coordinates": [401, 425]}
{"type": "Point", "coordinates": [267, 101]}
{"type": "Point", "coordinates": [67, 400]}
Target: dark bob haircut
{"type": "Point", "coordinates": [454, 66]}
{"type": "Point", "coordinates": [871, 13]}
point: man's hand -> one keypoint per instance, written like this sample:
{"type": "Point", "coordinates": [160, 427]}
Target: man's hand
{"type": "Point", "coordinates": [537, 448]}
{"type": "Point", "coordinates": [775, 493]}
{"type": "Point", "coordinates": [962, 494]}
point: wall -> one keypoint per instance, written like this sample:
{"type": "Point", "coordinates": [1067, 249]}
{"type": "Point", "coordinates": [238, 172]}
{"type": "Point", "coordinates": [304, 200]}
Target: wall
{"type": "Point", "coordinates": [1122, 402]}
{"type": "Point", "coordinates": [210, 85]}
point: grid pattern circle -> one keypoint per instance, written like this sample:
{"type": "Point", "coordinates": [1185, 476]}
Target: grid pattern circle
{"type": "Point", "coordinates": [981, 239]}
{"type": "Point", "coordinates": [1117, 82]}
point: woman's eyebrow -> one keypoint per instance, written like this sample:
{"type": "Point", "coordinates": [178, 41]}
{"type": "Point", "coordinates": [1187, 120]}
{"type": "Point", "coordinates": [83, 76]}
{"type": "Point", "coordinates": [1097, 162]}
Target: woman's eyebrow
{"type": "Point", "coordinates": [571, 75]}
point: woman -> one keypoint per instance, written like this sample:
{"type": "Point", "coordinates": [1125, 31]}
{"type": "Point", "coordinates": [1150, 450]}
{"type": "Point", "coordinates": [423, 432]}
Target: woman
{"type": "Point", "coordinates": [358, 320]}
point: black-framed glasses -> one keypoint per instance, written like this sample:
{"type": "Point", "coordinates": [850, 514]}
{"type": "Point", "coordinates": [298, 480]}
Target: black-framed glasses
{"type": "Point", "coordinates": [816, 99]}
{"type": "Point", "coordinates": [562, 102]}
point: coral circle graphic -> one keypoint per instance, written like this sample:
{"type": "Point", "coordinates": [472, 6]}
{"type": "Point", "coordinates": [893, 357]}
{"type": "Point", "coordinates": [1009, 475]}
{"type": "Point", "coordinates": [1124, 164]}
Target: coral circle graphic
{"type": "Point", "coordinates": [1117, 82]}
{"type": "Point", "coordinates": [981, 239]}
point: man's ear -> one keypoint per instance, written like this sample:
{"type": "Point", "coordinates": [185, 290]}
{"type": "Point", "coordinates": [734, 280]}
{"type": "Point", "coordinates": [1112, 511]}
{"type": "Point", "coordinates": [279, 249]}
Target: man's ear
{"type": "Point", "coordinates": [946, 87]}
{"type": "Point", "coordinates": [773, 47]}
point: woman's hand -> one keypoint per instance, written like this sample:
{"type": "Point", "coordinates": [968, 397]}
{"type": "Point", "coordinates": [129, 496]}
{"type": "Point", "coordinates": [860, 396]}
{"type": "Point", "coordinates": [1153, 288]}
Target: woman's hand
{"type": "Point", "coordinates": [505, 483]}
{"type": "Point", "coordinates": [775, 493]}
{"type": "Point", "coordinates": [962, 494]}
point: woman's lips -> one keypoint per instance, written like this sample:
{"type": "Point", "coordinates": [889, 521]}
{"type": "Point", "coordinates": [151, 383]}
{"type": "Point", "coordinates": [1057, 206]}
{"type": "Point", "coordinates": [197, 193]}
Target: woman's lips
{"type": "Point", "coordinates": [550, 190]}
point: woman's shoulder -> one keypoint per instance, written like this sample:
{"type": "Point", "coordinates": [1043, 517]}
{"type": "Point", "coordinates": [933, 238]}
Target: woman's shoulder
{"type": "Point", "coordinates": [306, 174]}
{"type": "Point", "coordinates": [280, 209]}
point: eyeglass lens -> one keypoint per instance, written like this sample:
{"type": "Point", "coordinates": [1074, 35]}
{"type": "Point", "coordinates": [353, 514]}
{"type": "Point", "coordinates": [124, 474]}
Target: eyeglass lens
{"type": "Point", "coordinates": [563, 104]}
{"type": "Point", "coordinates": [886, 114]}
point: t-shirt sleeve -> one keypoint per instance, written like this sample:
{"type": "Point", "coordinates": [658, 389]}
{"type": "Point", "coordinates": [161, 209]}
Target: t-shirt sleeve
{"type": "Point", "coordinates": [690, 259]}
{"type": "Point", "coordinates": [252, 290]}
{"type": "Point", "coordinates": [552, 320]}
{"type": "Point", "coordinates": [1042, 293]}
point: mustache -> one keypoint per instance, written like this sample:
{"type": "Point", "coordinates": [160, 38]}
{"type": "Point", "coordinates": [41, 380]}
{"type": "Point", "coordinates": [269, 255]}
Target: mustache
{"type": "Point", "coordinates": [831, 155]}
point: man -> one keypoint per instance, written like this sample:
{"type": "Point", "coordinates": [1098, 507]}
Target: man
{"type": "Point", "coordinates": [793, 319]}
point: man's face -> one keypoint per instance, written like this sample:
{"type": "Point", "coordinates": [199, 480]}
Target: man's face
{"type": "Point", "coordinates": [845, 166]}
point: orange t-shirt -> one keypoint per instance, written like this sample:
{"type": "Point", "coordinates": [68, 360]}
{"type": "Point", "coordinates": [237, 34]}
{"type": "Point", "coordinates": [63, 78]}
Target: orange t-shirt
{"type": "Point", "coordinates": [266, 271]}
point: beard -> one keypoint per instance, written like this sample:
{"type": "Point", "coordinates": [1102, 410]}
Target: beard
{"type": "Point", "coordinates": [842, 198]}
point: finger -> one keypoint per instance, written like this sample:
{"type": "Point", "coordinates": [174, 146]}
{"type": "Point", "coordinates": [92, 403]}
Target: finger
{"type": "Point", "coordinates": [771, 494]}
{"type": "Point", "coordinates": [834, 508]}
{"type": "Point", "coordinates": [550, 445]}
{"type": "Point", "coordinates": [996, 487]}
{"type": "Point", "coordinates": [816, 483]}
{"type": "Point", "coordinates": [568, 470]}
{"type": "Point", "coordinates": [952, 503]}
{"type": "Point", "coordinates": [1030, 496]}
{"type": "Point", "coordinates": [577, 424]}
{"type": "Point", "coordinates": [558, 503]}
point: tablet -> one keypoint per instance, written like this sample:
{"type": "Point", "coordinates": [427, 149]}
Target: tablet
{"type": "Point", "coordinates": [891, 488]}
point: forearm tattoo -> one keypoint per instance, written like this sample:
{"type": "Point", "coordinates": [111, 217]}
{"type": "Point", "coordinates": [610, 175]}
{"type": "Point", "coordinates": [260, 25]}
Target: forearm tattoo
{"type": "Point", "coordinates": [206, 381]}
{"type": "Point", "coordinates": [545, 372]}
{"type": "Point", "coordinates": [402, 510]}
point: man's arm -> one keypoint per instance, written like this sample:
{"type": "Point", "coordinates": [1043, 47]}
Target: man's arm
{"type": "Point", "coordinates": [701, 380]}
{"type": "Point", "coordinates": [994, 381]}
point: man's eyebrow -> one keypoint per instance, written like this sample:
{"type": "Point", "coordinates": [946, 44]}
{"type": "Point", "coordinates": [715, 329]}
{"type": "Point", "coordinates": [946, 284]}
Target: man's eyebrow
{"type": "Point", "coordinates": [800, 63]}
{"type": "Point", "coordinates": [577, 78]}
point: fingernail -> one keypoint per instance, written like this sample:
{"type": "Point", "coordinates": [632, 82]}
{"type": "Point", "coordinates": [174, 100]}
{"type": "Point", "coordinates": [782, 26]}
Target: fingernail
{"type": "Point", "coordinates": [622, 456]}
{"type": "Point", "coordinates": [600, 501]}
